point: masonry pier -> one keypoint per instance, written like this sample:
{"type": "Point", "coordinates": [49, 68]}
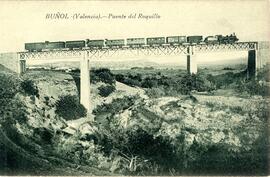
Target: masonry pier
{"type": "Point", "coordinates": [85, 82]}
{"type": "Point", "coordinates": [21, 65]}
{"type": "Point", "coordinates": [252, 63]}
{"type": "Point", "coordinates": [191, 60]}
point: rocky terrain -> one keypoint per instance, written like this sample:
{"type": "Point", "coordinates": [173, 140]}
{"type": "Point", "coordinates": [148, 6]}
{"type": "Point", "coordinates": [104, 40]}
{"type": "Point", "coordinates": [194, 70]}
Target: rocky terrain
{"type": "Point", "coordinates": [227, 134]}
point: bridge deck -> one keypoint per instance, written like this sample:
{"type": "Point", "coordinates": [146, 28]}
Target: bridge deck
{"type": "Point", "coordinates": [146, 50]}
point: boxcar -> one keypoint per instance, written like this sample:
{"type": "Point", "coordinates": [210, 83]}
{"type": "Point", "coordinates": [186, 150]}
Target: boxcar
{"type": "Point", "coordinates": [135, 41]}
{"type": "Point", "coordinates": [115, 43]}
{"type": "Point", "coordinates": [75, 44]}
{"type": "Point", "coordinates": [37, 46]}
{"type": "Point", "coordinates": [176, 39]}
{"type": "Point", "coordinates": [54, 45]}
{"type": "Point", "coordinates": [155, 41]}
{"type": "Point", "coordinates": [95, 43]}
{"type": "Point", "coordinates": [194, 39]}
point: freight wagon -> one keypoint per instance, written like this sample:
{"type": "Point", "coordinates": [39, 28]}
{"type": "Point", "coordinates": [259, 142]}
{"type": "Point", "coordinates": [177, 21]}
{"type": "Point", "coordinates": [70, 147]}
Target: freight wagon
{"type": "Point", "coordinates": [135, 42]}
{"type": "Point", "coordinates": [194, 39]}
{"type": "Point", "coordinates": [95, 43]}
{"type": "Point", "coordinates": [37, 46]}
{"type": "Point", "coordinates": [155, 41]}
{"type": "Point", "coordinates": [176, 39]}
{"type": "Point", "coordinates": [115, 43]}
{"type": "Point", "coordinates": [75, 44]}
{"type": "Point", "coordinates": [54, 45]}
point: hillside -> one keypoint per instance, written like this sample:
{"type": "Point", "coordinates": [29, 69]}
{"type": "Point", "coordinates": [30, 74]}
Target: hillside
{"type": "Point", "coordinates": [129, 131]}
{"type": "Point", "coordinates": [29, 125]}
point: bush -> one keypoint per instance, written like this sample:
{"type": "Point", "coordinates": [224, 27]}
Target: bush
{"type": "Point", "coordinates": [8, 86]}
{"type": "Point", "coordinates": [253, 87]}
{"type": "Point", "coordinates": [129, 79]}
{"type": "Point", "coordinates": [196, 82]}
{"type": "Point", "coordinates": [140, 149]}
{"type": "Point", "coordinates": [29, 87]}
{"type": "Point", "coordinates": [226, 80]}
{"type": "Point", "coordinates": [69, 107]}
{"type": "Point", "coordinates": [106, 90]}
{"type": "Point", "coordinates": [118, 105]}
{"type": "Point", "coordinates": [150, 82]}
{"type": "Point", "coordinates": [264, 73]}
{"type": "Point", "coordinates": [155, 92]}
{"type": "Point", "coordinates": [11, 108]}
{"type": "Point", "coordinates": [102, 75]}
{"type": "Point", "coordinates": [43, 134]}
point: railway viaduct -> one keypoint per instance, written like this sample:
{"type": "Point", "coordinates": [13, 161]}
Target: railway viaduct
{"type": "Point", "coordinates": [84, 56]}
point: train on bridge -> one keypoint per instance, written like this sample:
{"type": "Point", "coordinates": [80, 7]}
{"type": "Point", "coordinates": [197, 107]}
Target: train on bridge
{"type": "Point", "coordinates": [130, 42]}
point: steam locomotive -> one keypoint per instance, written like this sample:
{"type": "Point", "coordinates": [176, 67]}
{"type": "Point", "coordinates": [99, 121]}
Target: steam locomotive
{"type": "Point", "coordinates": [130, 42]}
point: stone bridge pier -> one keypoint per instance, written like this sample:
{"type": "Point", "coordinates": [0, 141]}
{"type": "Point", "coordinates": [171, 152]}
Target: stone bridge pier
{"type": "Point", "coordinates": [85, 82]}
{"type": "Point", "coordinates": [258, 58]}
{"type": "Point", "coordinates": [21, 64]}
{"type": "Point", "coordinates": [252, 64]}
{"type": "Point", "coordinates": [191, 60]}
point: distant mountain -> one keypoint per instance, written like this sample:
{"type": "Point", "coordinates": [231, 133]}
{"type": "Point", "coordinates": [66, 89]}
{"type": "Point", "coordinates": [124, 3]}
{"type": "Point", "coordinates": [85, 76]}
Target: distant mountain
{"type": "Point", "coordinates": [110, 64]}
{"type": "Point", "coordinates": [145, 63]}
{"type": "Point", "coordinates": [124, 64]}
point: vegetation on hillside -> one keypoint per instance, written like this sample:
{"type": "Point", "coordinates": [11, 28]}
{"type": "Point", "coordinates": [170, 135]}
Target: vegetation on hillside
{"type": "Point", "coordinates": [29, 87]}
{"type": "Point", "coordinates": [102, 75]}
{"type": "Point", "coordinates": [27, 149]}
{"type": "Point", "coordinates": [106, 90]}
{"type": "Point", "coordinates": [69, 107]}
{"type": "Point", "coordinates": [159, 84]}
{"type": "Point", "coordinates": [184, 134]}
{"type": "Point", "coordinates": [145, 149]}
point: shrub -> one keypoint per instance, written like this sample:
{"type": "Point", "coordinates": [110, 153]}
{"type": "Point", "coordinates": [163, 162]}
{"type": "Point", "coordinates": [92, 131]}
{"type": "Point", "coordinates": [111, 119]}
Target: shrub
{"type": "Point", "coordinates": [43, 134]}
{"type": "Point", "coordinates": [264, 73]}
{"type": "Point", "coordinates": [106, 90]}
{"type": "Point", "coordinates": [120, 78]}
{"type": "Point", "coordinates": [11, 108]}
{"type": "Point", "coordinates": [69, 107]}
{"type": "Point", "coordinates": [8, 86]}
{"type": "Point", "coordinates": [196, 82]}
{"type": "Point", "coordinates": [136, 143]}
{"type": "Point", "coordinates": [149, 82]}
{"type": "Point", "coordinates": [117, 105]}
{"type": "Point", "coordinates": [29, 87]}
{"type": "Point", "coordinates": [129, 79]}
{"type": "Point", "coordinates": [253, 87]}
{"type": "Point", "coordinates": [102, 75]}
{"type": "Point", "coordinates": [226, 80]}
{"type": "Point", "coordinates": [155, 92]}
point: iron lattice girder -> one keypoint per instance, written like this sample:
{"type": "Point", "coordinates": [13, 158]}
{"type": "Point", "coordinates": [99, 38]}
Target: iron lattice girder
{"type": "Point", "coordinates": [164, 50]}
{"type": "Point", "coordinates": [135, 52]}
{"type": "Point", "coordinates": [240, 46]}
{"type": "Point", "coordinates": [55, 54]}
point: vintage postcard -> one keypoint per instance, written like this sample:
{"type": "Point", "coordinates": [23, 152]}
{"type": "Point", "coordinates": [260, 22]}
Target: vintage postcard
{"type": "Point", "coordinates": [134, 88]}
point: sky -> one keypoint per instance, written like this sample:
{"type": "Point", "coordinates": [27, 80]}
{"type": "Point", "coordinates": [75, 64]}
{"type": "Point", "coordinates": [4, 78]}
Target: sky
{"type": "Point", "coordinates": [24, 21]}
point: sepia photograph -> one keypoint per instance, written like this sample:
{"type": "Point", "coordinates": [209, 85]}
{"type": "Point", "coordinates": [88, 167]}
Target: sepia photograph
{"type": "Point", "coordinates": [135, 88]}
